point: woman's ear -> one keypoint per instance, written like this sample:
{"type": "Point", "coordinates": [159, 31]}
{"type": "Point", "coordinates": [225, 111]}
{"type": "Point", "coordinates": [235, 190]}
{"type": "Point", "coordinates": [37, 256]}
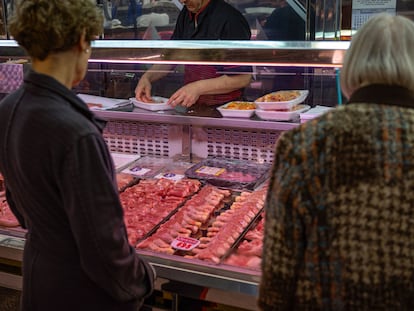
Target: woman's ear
{"type": "Point", "coordinates": [83, 44]}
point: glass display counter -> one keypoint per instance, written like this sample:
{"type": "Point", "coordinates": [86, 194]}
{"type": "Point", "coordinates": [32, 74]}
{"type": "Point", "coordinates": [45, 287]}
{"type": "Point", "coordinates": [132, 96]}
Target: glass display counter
{"type": "Point", "coordinates": [114, 70]}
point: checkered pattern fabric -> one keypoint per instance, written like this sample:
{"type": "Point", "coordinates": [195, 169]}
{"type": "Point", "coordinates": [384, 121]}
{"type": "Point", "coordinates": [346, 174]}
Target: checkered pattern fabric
{"type": "Point", "coordinates": [11, 77]}
{"type": "Point", "coordinates": [339, 227]}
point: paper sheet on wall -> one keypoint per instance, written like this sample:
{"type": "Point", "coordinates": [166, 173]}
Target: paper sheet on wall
{"type": "Point", "coordinates": [363, 10]}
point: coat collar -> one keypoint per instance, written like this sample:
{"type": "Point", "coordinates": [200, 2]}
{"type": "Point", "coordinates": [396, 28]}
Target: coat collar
{"type": "Point", "coordinates": [383, 94]}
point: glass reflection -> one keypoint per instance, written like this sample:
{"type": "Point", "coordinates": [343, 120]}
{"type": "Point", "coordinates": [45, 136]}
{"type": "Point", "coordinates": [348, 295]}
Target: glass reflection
{"type": "Point", "coordinates": [155, 20]}
{"type": "Point", "coordinates": [296, 19]}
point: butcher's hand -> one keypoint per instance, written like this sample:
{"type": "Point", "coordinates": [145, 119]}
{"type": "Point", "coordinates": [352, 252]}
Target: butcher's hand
{"type": "Point", "coordinates": [143, 90]}
{"type": "Point", "coordinates": [186, 96]}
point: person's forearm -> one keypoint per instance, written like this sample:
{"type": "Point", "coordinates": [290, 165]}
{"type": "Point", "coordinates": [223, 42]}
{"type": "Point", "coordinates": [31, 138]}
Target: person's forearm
{"type": "Point", "coordinates": [157, 72]}
{"type": "Point", "coordinates": [223, 84]}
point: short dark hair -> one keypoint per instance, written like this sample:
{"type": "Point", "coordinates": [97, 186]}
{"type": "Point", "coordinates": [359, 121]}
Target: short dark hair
{"type": "Point", "coordinates": [42, 27]}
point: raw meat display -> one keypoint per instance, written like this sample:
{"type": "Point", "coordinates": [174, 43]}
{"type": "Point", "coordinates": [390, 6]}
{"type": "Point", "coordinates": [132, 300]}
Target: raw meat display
{"type": "Point", "coordinates": [231, 174]}
{"type": "Point", "coordinates": [7, 218]}
{"type": "Point", "coordinates": [224, 225]}
{"type": "Point", "coordinates": [229, 226]}
{"type": "Point", "coordinates": [249, 252]}
{"type": "Point", "coordinates": [213, 221]}
{"type": "Point", "coordinates": [187, 221]}
{"type": "Point", "coordinates": [150, 201]}
{"type": "Point", "coordinates": [124, 180]}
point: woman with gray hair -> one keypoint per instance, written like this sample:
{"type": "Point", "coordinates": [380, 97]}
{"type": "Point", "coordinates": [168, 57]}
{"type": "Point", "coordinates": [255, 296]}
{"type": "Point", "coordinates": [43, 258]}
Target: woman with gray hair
{"type": "Point", "coordinates": [339, 231]}
{"type": "Point", "coordinates": [59, 175]}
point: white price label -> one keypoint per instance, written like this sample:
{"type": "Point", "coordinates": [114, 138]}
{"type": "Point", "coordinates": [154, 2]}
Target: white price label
{"type": "Point", "coordinates": [171, 176]}
{"type": "Point", "coordinates": [184, 243]}
{"type": "Point", "coordinates": [137, 170]}
{"type": "Point", "coordinates": [211, 170]}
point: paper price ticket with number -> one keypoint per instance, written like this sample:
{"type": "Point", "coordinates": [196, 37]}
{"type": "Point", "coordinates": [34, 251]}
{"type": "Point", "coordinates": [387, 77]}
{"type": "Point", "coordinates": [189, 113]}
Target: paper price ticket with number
{"type": "Point", "coordinates": [184, 243]}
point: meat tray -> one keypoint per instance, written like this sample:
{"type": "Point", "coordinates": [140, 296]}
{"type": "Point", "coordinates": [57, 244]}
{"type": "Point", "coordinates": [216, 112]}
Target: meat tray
{"type": "Point", "coordinates": [237, 112]}
{"type": "Point", "coordinates": [230, 174]}
{"type": "Point", "coordinates": [267, 102]}
{"type": "Point", "coordinates": [159, 104]}
{"type": "Point", "coordinates": [209, 226]}
{"type": "Point", "coordinates": [275, 115]}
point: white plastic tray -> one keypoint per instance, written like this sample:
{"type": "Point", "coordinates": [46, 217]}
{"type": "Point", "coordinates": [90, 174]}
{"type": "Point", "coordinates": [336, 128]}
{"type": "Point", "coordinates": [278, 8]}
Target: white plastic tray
{"type": "Point", "coordinates": [159, 104]}
{"type": "Point", "coordinates": [314, 113]}
{"type": "Point", "coordinates": [235, 113]}
{"type": "Point", "coordinates": [269, 105]}
{"type": "Point", "coordinates": [102, 103]}
{"type": "Point", "coordinates": [274, 115]}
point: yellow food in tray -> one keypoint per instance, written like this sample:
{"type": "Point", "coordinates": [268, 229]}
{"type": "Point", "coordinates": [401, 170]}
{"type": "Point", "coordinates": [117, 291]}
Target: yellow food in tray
{"type": "Point", "coordinates": [240, 105]}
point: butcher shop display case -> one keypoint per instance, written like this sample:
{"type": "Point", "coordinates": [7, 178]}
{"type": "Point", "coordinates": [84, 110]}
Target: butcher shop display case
{"type": "Point", "coordinates": [219, 246]}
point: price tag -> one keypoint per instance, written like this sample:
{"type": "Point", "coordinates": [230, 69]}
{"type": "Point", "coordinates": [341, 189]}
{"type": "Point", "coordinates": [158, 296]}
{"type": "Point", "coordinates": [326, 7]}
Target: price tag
{"type": "Point", "coordinates": [184, 243]}
{"type": "Point", "coordinates": [170, 176]}
{"type": "Point", "coordinates": [137, 170]}
{"type": "Point", "coordinates": [211, 170]}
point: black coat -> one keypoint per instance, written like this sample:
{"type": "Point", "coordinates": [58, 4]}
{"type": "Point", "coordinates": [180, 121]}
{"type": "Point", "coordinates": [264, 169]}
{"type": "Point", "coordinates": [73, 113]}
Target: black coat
{"type": "Point", "coordinates": [60, 183]}
{"type": "Point", "coordinates": [217, 21]}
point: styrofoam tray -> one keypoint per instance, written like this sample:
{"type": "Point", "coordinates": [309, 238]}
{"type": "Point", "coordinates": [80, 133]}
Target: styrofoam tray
{"type": "Point", "coordinates": [274, 115]}
{"type": "Point", "coordinates": [102, 103]}
{"type": "Point", "coordinates": [279, 105]}
{"type": "Point", "coordinates": [235, 113]}
{"type": "Point", "coordinates": [159, 104]}
{"type": "Point", "coordinates": [314, 113]}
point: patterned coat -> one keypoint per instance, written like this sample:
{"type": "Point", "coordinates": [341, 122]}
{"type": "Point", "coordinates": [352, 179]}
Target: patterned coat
{"type": "Point", "coordinates": [339, 229]}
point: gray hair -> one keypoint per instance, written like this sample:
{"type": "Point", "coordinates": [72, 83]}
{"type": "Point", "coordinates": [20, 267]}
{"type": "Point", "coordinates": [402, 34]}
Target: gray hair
{"type": "Point", "coordinates": [381, 52]}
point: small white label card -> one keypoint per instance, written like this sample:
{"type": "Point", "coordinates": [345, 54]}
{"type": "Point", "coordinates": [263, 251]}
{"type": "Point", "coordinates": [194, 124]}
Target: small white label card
{"type": "Point", "coordinates": [184, 243]}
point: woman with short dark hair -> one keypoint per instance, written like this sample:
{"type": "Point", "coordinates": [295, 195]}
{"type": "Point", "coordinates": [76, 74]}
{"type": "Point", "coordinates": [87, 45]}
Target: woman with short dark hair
{"type": "Point", "coordinates": [59, 175]}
